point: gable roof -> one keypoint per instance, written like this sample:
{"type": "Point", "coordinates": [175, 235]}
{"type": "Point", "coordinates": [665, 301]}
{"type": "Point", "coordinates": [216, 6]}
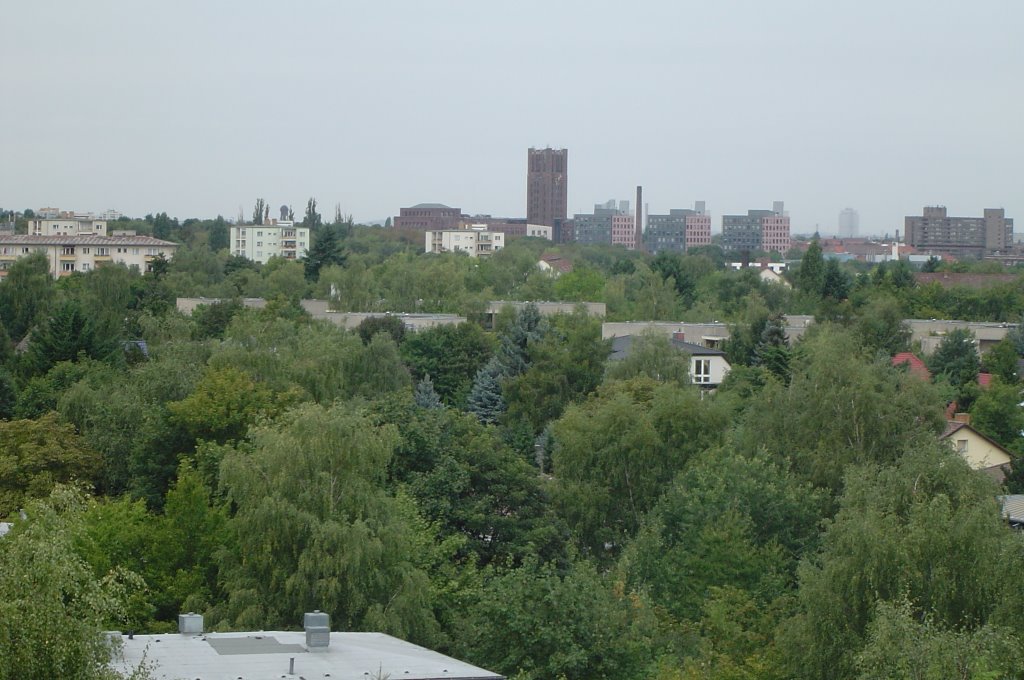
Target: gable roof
{"type": "Point", "coordinates": [914, 364]}
{"type": "Point", "coordinates": [954, 426]}
{"type": "Point", "coordinates": [557, 262]}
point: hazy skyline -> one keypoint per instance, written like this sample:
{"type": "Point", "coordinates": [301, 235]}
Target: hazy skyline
{"type": "Point", "coordinates": [198, 108]}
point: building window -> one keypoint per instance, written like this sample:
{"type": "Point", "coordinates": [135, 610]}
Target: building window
{"type": "Point", "coordinates": [68, 266]}
{"type": "Point", "coordinates": [702, 371]}
{"type": "Point", "coordinates": [85, 250]}
{"type": "Point", "coordinates": [961, 446]}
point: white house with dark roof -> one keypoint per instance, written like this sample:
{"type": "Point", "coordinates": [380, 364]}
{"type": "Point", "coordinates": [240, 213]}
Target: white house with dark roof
{"type": "Point", "coordinates": [72, 253]}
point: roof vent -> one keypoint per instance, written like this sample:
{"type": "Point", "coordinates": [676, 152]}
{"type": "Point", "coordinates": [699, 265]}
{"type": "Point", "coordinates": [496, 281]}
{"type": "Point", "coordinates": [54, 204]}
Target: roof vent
{"type": "Point", "coordinates": [190, 624]}
{"type": "Point", "coordinates": [318, 630]}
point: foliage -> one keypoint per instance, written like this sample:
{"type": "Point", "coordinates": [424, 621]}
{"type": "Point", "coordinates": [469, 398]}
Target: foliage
{"type": "Point", "coordinates": [425, 396]}
{"type": "Point", "coordinates": [956, 358]}
{"type": "Point", "coordinates": [53, 608]}
{"type": "Point", "coordinates": [391, 325]}
{"type": "Point", "coordinates": [841, 407]}
{"type": "Point", "coordinates": [326, 250]}
{"type": "Point", "coordinates": [36, 455]}
{"type": "Point", "coordinates": [926, 531]}
{"type": "Point", "coordinates": [316, 529]}
{"type": "Point", "coordinates": [451, 355]}
{"type": "Point", "coordinates": [653, 356]}
{"type": "Point", "coordinates": [26, 293]}
{"type": "Point", "coordinates": [615, 453]}
{"type": "Point", "coordinates": [527, 624]}
{"type": "Point", "coordinates": [66, 336]}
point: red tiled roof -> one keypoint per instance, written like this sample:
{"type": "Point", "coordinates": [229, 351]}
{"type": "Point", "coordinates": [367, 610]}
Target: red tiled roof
{"type": "Point", "coordinates": [915, 365]}
{"type": "Point", "coordinates": [557, 262]}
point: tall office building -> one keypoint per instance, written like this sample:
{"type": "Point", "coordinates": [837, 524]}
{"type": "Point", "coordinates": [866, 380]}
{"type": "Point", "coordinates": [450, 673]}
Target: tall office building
{"type": "Point", "coordinates": [936, 231]}
{"type": "Point", "coordinates": [547, 182]}
{"type": "Point", "coordinates": [849, 223]}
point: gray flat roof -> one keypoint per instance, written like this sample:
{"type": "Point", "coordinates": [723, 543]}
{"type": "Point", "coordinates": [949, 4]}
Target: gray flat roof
{"type": "Point", "coordinates": [266, 655]}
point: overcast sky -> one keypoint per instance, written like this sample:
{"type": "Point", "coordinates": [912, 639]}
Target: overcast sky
{"type": "Point", "coordinates": [198, 107]}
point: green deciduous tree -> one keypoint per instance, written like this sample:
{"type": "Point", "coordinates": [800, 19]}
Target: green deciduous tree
{"type": "Point", "coordinates": [317, 530]}
{"type": "Point", "coordinates": [391, 325]}
{"type": "Point", "coordinates": [653, 356]}
{"type": "Point", "coordinates": [35, 455]}
{"type": "Point", "coordinates": [25, 294]}
{"type": "Point", "coordinates": [53, 608]}
{"type": "Point", "coordinates": [615, 453]}
{"type": "Point", "coordinates": [534, 623]}
{"type": "Point", "coordinates": [926, 532]}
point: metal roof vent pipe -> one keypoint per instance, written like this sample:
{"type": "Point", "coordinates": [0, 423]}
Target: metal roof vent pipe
{"type": "Point", "coordinates": [317, 625]}
{"type": "Point", "coordinates": [190, 624]}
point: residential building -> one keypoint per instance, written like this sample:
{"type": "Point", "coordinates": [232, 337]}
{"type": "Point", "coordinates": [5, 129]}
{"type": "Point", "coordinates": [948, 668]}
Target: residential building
{"type": "Point", "coordinates": [510, 226]}
{"type": "Point", "coordinates": [934, 231]}
{"type": "Point", "coordinates": [547, 185]}
{"type": "Point", "coordinates": [428, 217]}
{"type": "Point", "coordinates": [83, 253]}
{"type": "Point", "coordinates": [708, 366]}
{"type": "Point", "coordinates": [260, 242]}
{"type": "Point", "coordinates": [314, 652]}
{"type": "Point", "coordinates": [475, 241]}
{"type": "Point", "coordinates": [980, 452]}
{"type": "Point", "coordinates": [849, 223]}
{"type": "Point", "coordinates": [765, 230]}
{"type": "Point", "coordinates": [54, 222]}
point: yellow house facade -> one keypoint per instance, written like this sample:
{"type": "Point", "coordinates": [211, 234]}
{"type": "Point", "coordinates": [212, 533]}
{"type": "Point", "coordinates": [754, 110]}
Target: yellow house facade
{"type": "Point", "coordinates": [980, 452]}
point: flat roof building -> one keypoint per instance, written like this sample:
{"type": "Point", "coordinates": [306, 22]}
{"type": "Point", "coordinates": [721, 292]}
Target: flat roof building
{"type": "Point", "coordinates": [260, 242]}
{"type": "Point", "coordinates": [314, 652]}
{"type": "Point", "coordinates": [428, 217]}
{"type": "Point", "coordinates": [758, 230]}
{"type": "Point", "coordinates": [934, 231]}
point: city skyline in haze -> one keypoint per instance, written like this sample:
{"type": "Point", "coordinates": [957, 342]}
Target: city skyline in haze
{"type": "Point", "coordinates": [199, 108]}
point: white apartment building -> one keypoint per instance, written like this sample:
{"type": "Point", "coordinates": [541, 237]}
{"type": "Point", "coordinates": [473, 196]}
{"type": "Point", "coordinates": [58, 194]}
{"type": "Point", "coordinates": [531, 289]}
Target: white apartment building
{"type": "Point", "coordinates": [260, 242]}
{"type": "Point", "coordinates": [475, 241]}
{"type": "Point", "coordinates": [52, 222]}
{"type": "Point", "coordinates": [72, 253]}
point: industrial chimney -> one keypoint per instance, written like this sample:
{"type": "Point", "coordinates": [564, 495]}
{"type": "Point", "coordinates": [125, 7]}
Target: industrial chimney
{"type": "Point", "coordinates": [639, 218]}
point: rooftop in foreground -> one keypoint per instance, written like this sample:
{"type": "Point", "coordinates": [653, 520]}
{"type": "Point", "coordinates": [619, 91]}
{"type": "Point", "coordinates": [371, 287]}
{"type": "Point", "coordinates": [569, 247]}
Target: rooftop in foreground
{"type": "Point", "coordinates": [266, 655]}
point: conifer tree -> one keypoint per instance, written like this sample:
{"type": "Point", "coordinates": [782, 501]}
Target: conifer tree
{"type": "Point", "coordinates": [425, 396]}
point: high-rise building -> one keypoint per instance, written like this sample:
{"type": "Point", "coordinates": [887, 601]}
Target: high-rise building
{"type": "Point", "coordinates": [766, 230]}
{"type": "Point", "coordinates": [547, 183]}
{"type": "Point", "coordinates": [849, 223]}
{"type": "Point", "coordinates": [936, 231]}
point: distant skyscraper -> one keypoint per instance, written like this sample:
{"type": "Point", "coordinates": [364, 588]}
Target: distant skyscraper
{"type": "Point", "coordinates": [849, 223]}
{"type": "Point", "coordinates": [547, 182]}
